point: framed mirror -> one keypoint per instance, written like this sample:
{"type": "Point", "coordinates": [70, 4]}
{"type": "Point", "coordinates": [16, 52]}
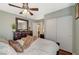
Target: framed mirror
{"type": "Point", "coordinates": [21, 24]}
{"type": "Point", "coordinates": [77, 11]}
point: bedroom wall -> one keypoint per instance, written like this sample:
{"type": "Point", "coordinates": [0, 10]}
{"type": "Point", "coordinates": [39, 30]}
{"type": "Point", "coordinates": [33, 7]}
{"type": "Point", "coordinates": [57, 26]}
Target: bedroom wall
{"type": "Point", "coordinates": [6, 21]}
{"type": "Point", "coordinates": [76, 48]}
{"type": "Point", "coordinates": [51, 29]}
{"type": "Point", "coordinates": [63, 30]}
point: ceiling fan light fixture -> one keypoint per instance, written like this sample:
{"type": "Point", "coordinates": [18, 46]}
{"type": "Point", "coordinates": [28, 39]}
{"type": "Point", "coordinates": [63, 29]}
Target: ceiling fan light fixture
{"type": "Point", "coordinates": [25, 11]}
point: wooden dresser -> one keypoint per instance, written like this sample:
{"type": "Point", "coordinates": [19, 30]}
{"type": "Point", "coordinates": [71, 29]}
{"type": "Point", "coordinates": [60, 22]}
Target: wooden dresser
{"type": "Point", "coordinates": [20, 34]}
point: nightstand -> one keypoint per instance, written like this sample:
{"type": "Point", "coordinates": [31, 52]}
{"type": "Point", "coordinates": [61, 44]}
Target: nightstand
{"type": "Point", "coordinates": [42, 36]}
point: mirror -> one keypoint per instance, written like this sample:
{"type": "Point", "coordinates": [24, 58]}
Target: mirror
{"type": "Point", "coordinates": [21, 24]}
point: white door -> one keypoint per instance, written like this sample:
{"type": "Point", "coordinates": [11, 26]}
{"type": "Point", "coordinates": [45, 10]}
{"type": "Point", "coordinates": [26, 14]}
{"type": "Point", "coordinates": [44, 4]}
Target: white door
{"type": "Point", "coordinates": [50, 29]}
{"type": "Point", "coordinates": [64, 32]}
{"type": "Point", "coordinates": [35, 33]}
{"type": "Point", "coordinates": [60, 30]}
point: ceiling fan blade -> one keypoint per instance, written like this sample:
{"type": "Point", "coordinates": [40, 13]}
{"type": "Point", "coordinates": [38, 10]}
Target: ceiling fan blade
{"type": "Point", "coordinates": [30, 13]}
{"type": "Point", "coordinates": [14, 6]}
{"type": "Point", "coordinates": [23, 5]}
{"type": "Point", "coordinates": [27, 4]}
{"type": "Point", "coordinates": [34, 9]}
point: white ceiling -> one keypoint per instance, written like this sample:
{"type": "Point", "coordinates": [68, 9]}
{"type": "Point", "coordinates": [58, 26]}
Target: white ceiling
{"type": "Point", "coordinates": [44, 8]}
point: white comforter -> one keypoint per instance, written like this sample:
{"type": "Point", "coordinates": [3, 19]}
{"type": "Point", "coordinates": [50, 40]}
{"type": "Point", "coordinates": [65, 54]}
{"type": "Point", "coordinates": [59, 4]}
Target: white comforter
{"type": "Point", "coordinates": [41, 47]}
{"type": "Point", "coordinates": [38, 47]}
{"type": "Point", "coordinates": [6, 49]}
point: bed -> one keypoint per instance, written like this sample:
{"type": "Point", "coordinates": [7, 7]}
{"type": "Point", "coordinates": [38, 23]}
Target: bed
{"type": "Point", "coordinates": [38, 47]}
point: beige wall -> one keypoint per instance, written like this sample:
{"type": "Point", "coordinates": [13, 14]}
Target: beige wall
{"type": "Point", "coordinates": [6, 21]}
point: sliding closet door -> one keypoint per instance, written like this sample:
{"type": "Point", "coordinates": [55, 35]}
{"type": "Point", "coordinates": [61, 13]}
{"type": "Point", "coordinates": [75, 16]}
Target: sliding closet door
{"type": "Point", "coordinates": [50, 29]}
{"type": "Point", "coordinates": [64, 32]}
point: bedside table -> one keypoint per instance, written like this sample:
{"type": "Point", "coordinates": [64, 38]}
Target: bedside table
{"type": "Point", "coordinates": [42, 36]}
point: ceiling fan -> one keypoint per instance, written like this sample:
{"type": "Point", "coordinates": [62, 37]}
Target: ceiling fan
{"type": "Point", "coordinates": [25, 8]}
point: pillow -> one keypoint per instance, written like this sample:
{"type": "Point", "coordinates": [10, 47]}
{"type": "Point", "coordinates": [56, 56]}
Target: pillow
{"type": "Point", "coordinates": [23, 38]}
{"type": "Point", "coordinates": [16, 46]}
{"type": "Point", "coordinates": [27, 42]}
{"type": "Point", "coordinates": [21, 41]}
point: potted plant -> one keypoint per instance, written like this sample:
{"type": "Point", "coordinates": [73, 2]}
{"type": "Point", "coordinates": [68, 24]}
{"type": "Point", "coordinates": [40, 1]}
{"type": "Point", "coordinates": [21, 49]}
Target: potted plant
{"type": "Point", "coordinates": [13, 27]}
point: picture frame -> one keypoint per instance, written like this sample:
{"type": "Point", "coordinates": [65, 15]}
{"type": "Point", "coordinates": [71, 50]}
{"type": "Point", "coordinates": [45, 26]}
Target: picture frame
{"type": "Point", "coordinates": [77, 11]}
{"type": "Point", "coordinates": [18, 25]}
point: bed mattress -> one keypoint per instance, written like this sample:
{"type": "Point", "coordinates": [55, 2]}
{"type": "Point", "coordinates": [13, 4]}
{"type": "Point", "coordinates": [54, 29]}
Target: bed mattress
{"type": "Point", "coordinates": [41, 47]}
